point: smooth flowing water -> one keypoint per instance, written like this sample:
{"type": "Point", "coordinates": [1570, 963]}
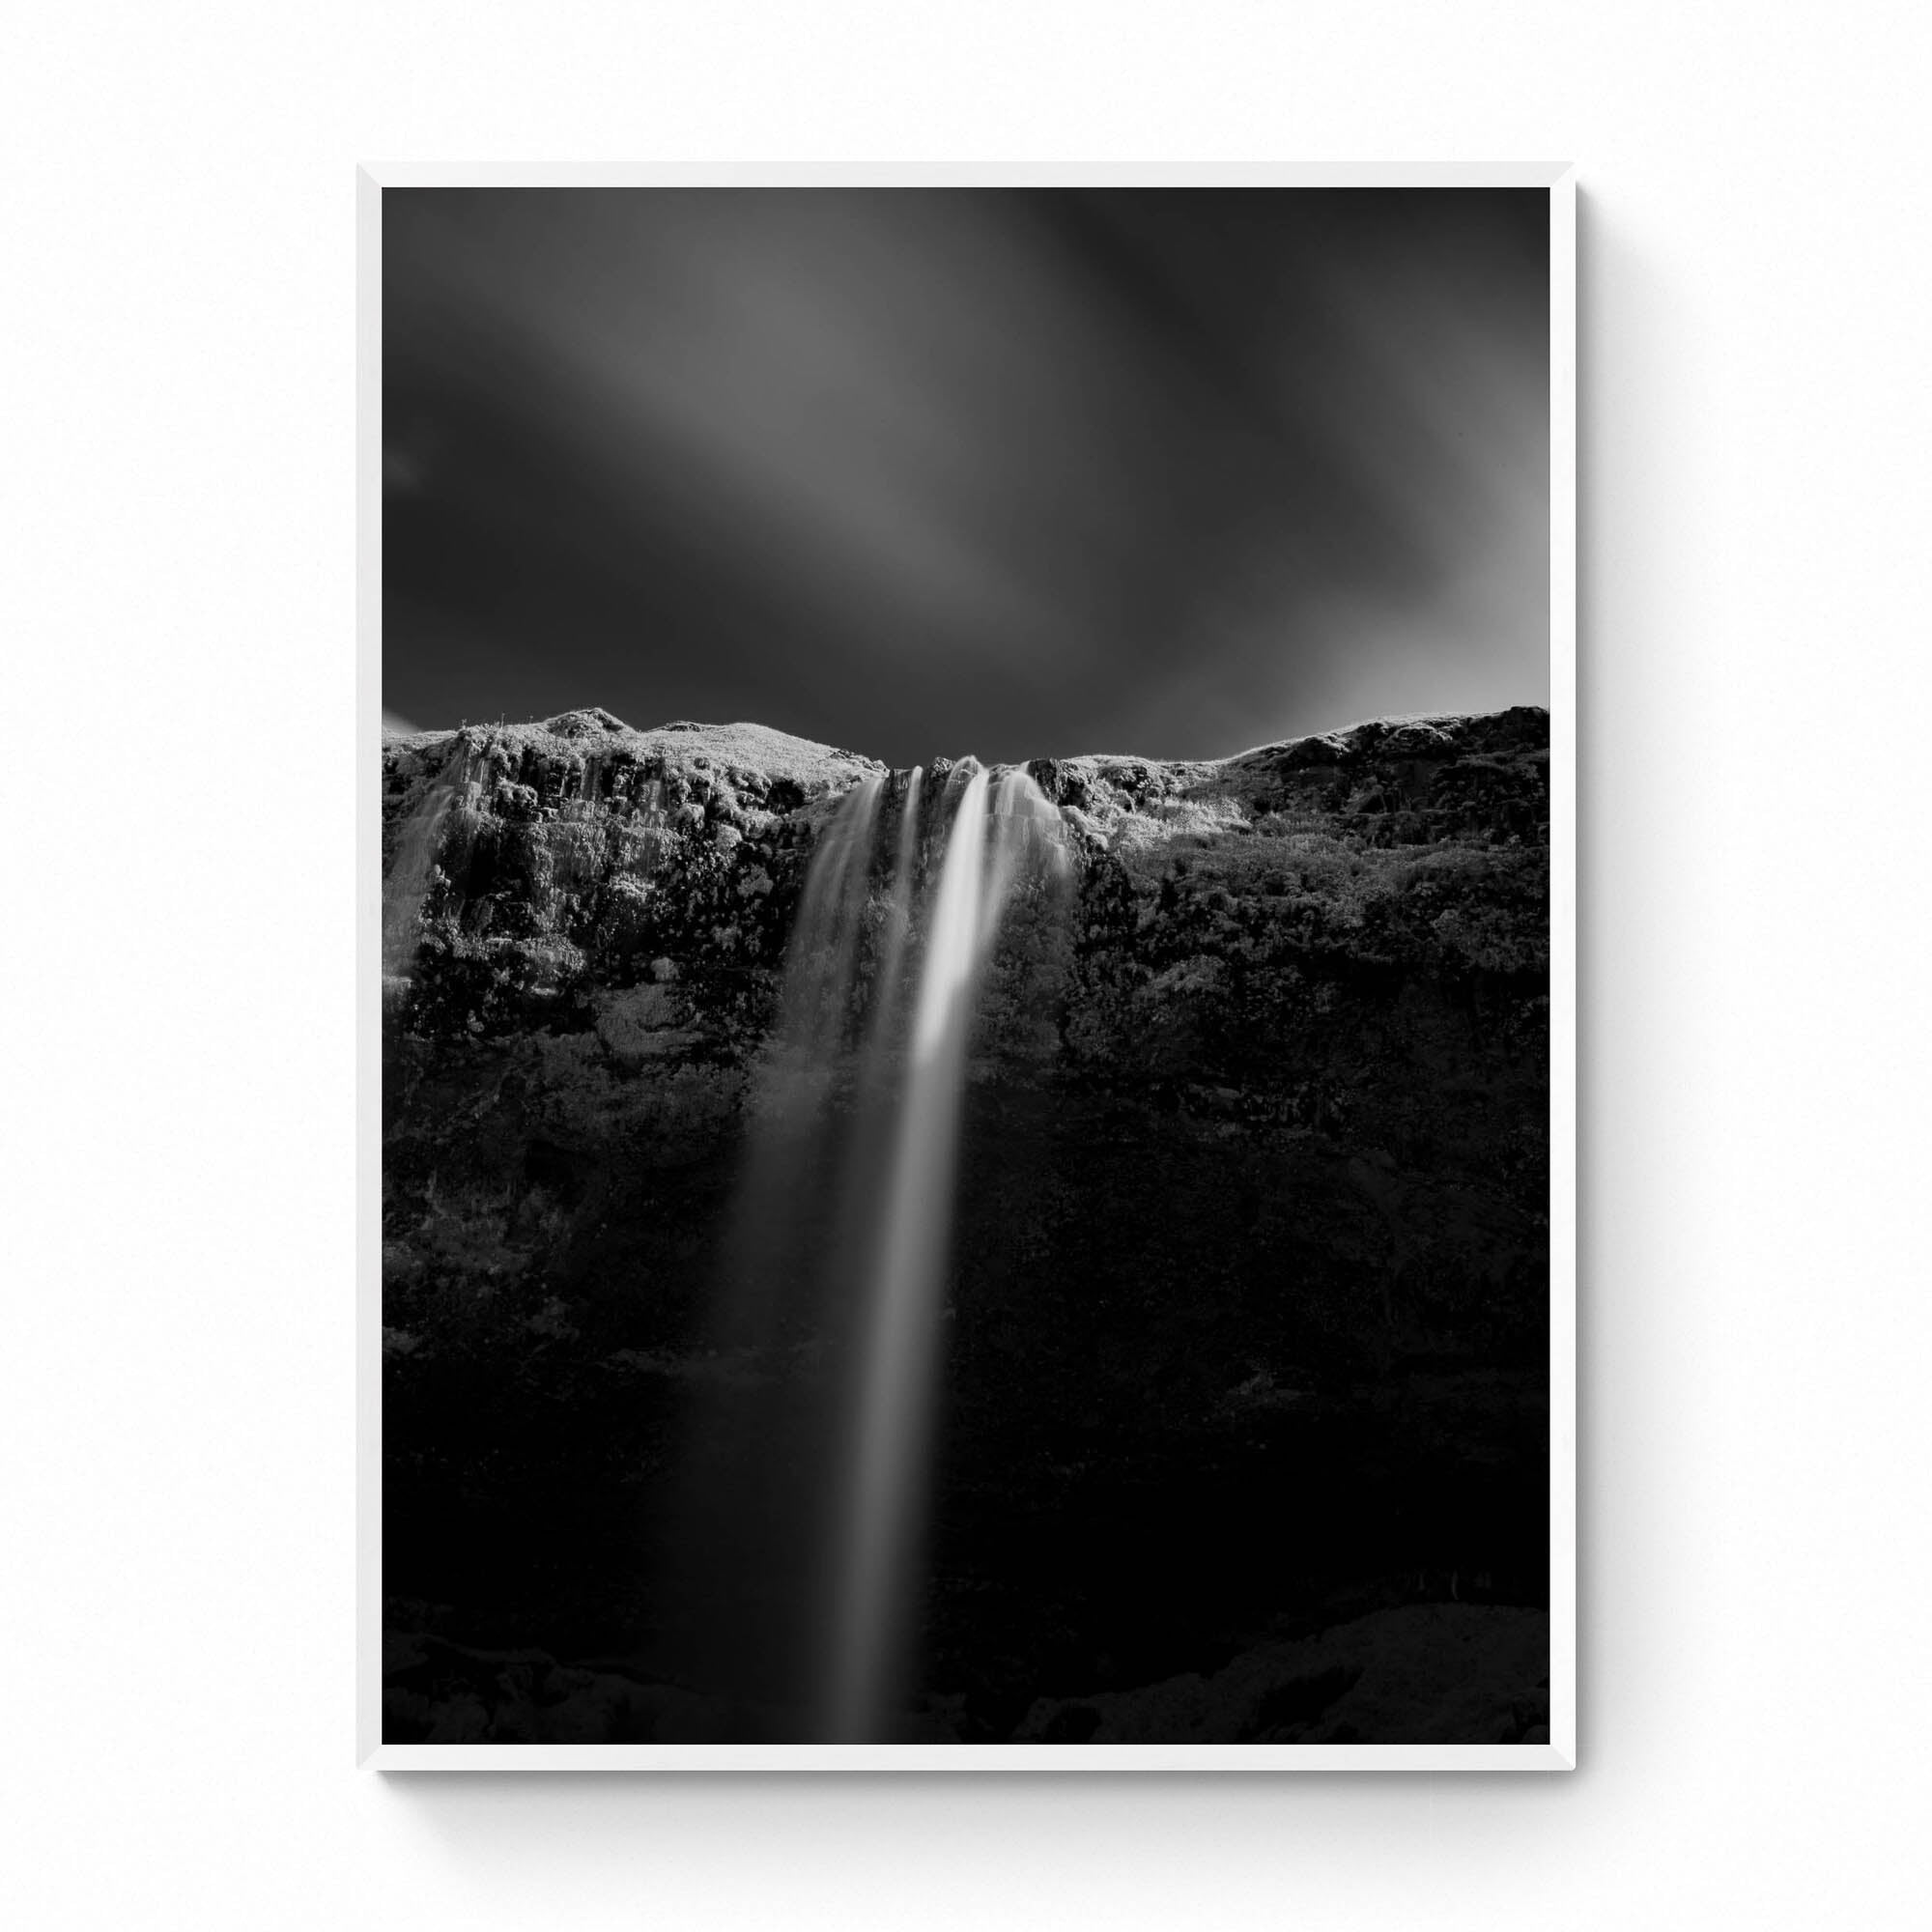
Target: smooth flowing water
{"type": "Point", "coordinates": [794, 1572]}
{"type": "Point", "coordinates": [994, 836]}
{"type": "Point", "coordinates": [405, 883]}
{"type": "Point", "coordinates": [739, 1596]}
{"type": "Point", "coordinates": [817, 1004]}
{"type": "Point", "coordinates": [888, 981]}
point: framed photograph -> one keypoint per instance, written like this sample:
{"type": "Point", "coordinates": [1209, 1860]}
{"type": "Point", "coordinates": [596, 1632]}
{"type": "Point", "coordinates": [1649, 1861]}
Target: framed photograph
{"type": "Point", "coordinates": [967, 971]}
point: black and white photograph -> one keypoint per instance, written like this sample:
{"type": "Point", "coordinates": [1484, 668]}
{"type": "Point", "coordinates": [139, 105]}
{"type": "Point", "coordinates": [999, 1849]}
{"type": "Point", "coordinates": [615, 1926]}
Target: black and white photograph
{"type": "Point", "coordinates": [966, 1110]}
{"type": "Point", "coordinates": [966, 966]}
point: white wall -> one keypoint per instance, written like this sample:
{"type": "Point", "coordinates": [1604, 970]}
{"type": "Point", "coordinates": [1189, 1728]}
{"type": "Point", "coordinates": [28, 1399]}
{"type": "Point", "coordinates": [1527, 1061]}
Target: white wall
{"type": "Point", "coordinates": [178, 206]}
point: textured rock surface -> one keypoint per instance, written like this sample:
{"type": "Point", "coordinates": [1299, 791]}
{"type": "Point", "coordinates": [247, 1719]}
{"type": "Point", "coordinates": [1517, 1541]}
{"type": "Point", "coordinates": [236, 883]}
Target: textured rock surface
{"type": "Point", "coordinates": [1426, 1673]}
{"type": "Point", "coordinates": [1248, 1330]}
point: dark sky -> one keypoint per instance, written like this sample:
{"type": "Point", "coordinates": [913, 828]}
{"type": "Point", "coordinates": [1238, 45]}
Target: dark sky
{"type": "Point", "coordinates": [942, 470]}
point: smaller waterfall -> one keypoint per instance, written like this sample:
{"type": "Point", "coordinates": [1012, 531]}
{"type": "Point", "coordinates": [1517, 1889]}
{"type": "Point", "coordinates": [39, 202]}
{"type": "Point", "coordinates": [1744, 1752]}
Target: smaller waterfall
{"type": "Point", "coordinates": [890, 971]}
{"type": "Point", "coordinates": [742, 1542]}
{"type": "Point", "coordinates": [793, 1087]}
{"type": "Point", "coordinates": [814, 1007]}
{"type": "Point", "coordinates": [405, 883]}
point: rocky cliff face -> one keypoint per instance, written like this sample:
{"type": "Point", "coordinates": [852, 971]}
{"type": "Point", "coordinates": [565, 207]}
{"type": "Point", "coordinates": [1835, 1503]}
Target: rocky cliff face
{"type": "Point", "coordinates": [1246, 1331]}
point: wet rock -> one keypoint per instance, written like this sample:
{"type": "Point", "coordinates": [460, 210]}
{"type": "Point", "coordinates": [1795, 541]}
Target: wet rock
{"type": "Point", "coordinates": [1434, 1674]}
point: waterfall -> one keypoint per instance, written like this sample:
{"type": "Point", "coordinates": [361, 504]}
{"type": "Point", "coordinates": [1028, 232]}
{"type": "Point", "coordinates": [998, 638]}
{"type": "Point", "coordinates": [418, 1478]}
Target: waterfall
{"type": "Point", "coordinates": [885, 1484]}
{"type": "Point", "coordinates": [740, 1559]}
{"type": "Point", "coordinates": [887, 979]}
{"type": "Point", "coordinates": [792, 1087]}
{"type": "Point", "coordinates": [406, 884]}
{"type": "Point", "coordinates": [791, 1573]}
{"type": "Point", "coordinates": [814, 1007]}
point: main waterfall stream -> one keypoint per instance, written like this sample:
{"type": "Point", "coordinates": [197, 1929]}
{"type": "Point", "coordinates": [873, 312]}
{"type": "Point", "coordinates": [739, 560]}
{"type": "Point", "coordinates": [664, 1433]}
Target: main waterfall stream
{"type": "Point", "coordinates": [800, 1533]}
{"type": "Point", "coordinates": [884, 1483]}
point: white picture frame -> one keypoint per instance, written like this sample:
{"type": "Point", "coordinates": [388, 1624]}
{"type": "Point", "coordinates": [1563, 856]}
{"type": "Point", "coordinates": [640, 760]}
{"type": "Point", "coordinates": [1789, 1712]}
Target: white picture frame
{"type": "Point", "coordinates": [1560, 1752]}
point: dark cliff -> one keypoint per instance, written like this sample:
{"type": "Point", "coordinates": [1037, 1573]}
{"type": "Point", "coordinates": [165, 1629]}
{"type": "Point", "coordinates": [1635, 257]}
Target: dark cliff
{"type": "Point", "coordinates": [1250, 1282]}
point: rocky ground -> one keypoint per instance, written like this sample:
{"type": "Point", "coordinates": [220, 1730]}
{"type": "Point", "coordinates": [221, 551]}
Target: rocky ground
{"type": "Point", "coordinates": [1246, 1341]}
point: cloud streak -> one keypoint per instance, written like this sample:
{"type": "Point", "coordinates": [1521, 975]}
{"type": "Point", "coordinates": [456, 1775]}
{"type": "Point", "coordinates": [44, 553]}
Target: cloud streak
{"type": "Point", "coordinates": [950, 471]}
